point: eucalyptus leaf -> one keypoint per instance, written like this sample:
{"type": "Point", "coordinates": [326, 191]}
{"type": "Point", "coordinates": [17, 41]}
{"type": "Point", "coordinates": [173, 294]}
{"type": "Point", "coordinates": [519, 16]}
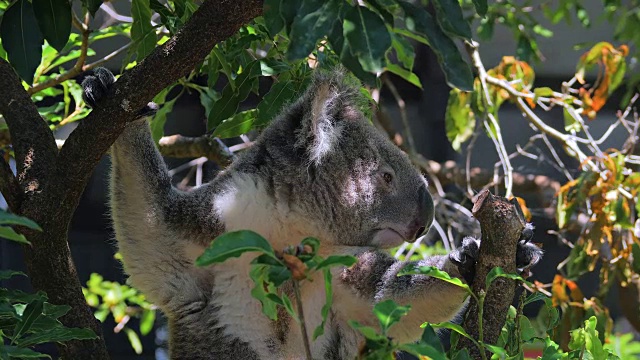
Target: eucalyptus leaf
{"type": "Point", "coordinates": [7, 218]}
{"type": "Point", "coordinates": [236, 125]}
{"type": "Point", "coordinates": [54, 21]}
{"type": "Point", "coordinates": [234, 244]}
{"type": "Point", "coordinates": [310, 24]}
{"type": "Point", "coordinates": [367, 36]}
{"type": "Point", "coordinates": [22, 39]}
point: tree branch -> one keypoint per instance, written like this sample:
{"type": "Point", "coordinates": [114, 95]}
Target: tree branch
{"type": "Point", "coordinates": [33, 143]}
{"type": "Point", "coordinates": [179, 146]}
{"type": "Point", "coordinates": [502, 223]}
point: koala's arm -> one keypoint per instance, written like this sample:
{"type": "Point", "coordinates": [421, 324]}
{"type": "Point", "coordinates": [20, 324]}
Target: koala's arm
{"type": "Point", "coordinates": [159, 229]}
{"type": "Point", "coordinates": [374, 279]}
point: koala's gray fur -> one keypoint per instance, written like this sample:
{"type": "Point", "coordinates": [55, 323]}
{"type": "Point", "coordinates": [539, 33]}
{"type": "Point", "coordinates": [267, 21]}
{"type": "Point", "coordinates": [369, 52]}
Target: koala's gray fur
{"type": "Point", "coordinates": [320, 169]}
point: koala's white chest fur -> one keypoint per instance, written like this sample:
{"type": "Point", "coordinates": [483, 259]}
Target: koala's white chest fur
{"type": "Point", "coordinates": [245, 205]}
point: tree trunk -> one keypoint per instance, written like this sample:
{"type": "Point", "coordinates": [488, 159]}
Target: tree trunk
{"type": "Point", "coordinates": [501, 222]}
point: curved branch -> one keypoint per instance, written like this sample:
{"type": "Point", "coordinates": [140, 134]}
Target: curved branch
{"type": "Point", "coordinates": [179, 146]}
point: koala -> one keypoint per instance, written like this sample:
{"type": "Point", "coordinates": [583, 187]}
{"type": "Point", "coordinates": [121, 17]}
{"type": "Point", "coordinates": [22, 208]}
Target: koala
{"type": "Point", "coordinates": [319, 169]}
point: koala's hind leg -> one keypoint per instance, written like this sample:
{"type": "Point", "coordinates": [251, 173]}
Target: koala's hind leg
{"type": "Point", "coordinates": [154, 223]}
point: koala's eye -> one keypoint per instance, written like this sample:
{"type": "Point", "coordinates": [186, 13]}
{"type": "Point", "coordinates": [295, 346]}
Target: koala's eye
{"type": "Point", "coordinates": [388, 178]}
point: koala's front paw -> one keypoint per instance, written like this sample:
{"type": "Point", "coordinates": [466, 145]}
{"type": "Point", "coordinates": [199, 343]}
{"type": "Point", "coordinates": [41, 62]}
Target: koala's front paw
{"type": "Point", "coordinates": [527, 255]}
{"type": "Point", "coordinates": [96, 86]}
{"type": "Point", "coordinates": [465, 258]}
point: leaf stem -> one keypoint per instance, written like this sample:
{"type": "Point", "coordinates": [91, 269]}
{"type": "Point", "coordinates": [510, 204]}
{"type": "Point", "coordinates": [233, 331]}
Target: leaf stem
{"type": "Point", "coordinates": [303, 326]}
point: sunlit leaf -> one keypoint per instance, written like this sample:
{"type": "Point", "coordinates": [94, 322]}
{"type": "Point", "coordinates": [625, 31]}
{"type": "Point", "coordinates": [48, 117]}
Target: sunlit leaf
{"type": "Point", "coordinates": [456, 70]}
{"type": "Point", "coordinates": [272, 103]}
{"type": "Point", "coordinates": [460, 121]}
{"type": "Point", "coordinates": [368, 37]}
{"type": "Point", "coordinates": [142, 32]}
{"type": "Point", "coordinates": [412, 269]}
{"type": "Point", "coordinates": [134, 340]}
{"type": "Point", "coordinates": [389, 313]}
{"type": "Point", "coordinates": [451, 19]}
{"type": "Point", "coordinates": [234, 244]}
{"type": "Point", "coordinates": [237, 125]}
{"type": "Point", "coordinates": [310, 24]}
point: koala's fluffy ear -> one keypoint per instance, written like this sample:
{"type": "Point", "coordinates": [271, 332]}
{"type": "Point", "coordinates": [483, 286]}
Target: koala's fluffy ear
{"type": "Point", "coordinates": [330, 102]}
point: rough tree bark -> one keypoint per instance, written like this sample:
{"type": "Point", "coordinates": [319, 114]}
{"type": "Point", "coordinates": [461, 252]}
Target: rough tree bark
{"type": "Point", "coordinates": [501, 222]}
{"type": "Point", "coordinates": [51, 182]}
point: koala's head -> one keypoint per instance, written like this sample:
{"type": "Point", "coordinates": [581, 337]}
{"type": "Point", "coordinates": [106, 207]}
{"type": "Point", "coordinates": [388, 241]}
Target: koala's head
{"type": "Point", "coordinates": [331, 165]}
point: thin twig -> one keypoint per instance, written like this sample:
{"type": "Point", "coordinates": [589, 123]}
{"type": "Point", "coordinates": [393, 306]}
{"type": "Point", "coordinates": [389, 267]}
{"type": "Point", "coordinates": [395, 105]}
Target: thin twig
{"type": "Point", "coordinates": [403, 112]}
{"type": "Point", "coordinates": [303, 326]}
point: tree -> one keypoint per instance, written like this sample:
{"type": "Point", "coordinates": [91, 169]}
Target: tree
{"type": "Point", "coordinates": [192, 46]}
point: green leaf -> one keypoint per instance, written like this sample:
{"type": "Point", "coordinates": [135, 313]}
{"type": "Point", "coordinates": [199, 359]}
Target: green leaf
{"type": "Point", "coordinates": [498, 351]}
{"type": "Point", "coordinates": [453, 327]}
{"type": "Point", "coordinates": [459, 121]}
{"type": "Point", "coordinates": [404, 50]}
{"type": "Point", "coordinates": [367, 331]}
{"type": "Point", "coordinates": [134, 340]}
{"type": "Point", "coordinates": [10, 234]}
{"type": "Point", "coordinates": [271, 66]}
{"type": "Point", "coordinates": [159, 119]}
{"type": "Point", "coordinates": [286, 302]}
{"type": "Point", "coordinates": [245, 80]}
{"type": "Point", "coordinates": [224, 108]}
{"type": "Point", "coordinates": [279, 14]}
{"type": "Point", "coordinates": [55, 311]}
{"type": "Point", "coordinates": [414, 269]}
{"type": "Point", "coordinates": [430, 338]}
{"type": "Point", "coordinates": [280, 94]}
{"type": "Point", "coordinates": [497, 272]}
{"type": "Point", "coordinates": [425, 350]}
{"type": "Point", "coordinates": [22, 39]}
{"type": "Point", "coordinates": [328, 292]}
{"type": "Point", "coordinates": [351, 62]}
{"type": "Point", "coordinates": [146, 321]}
{"type": "Point", "coordinates": [481, 7]}
{"type": "Point", "coordinates": [59, 334]}
{"type": "Point", "coordinates": [527, 332]}
{"type": "Point", "coordinates": [536, 296]}
{"type": "Point", "coordinates": [258, 275]}
{"type": "Point", "coordinates": [405, 74]}
{"type": "Point", "coordinates": [237, 125]}
{"type": "Point", "coordinates": [142, 32]}
{"type": "Point", "coordinates": [456, 70]}
{"type": "Point", "coordinates": [449, 15]}
{"type": "Point", "coordinates": [234, 244]}
{"type": "Point", "coordinates": [389, 313]}
{"type": "Point", "coordinates": [21, 353]}
{"type": "Point", "coordinates": [54, 20]}
{"type": "Point", "coordinates": [543, 91]}
{"type": "Point", "coordinates": [92, 6]}
{"type": "Point", "coordinates": [30, 314]}
{"type": "Point", "coordinates": [367, 36]}
{"type": "Point", "coordinates": [7, 274]}
{"type": "Point", "coordinates": [311, 23]}
{"type": "Point", "coordinates": [7, 218]}
{"type": "Point", "coordinates": [333, 260]}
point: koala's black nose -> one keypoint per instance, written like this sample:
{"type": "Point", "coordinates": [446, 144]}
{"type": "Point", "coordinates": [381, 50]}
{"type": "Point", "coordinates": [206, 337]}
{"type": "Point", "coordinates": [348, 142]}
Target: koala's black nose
{"type": "Point", "coordinates": [427, 209]}
{"type": "Point", "coordinates": [424, 218]}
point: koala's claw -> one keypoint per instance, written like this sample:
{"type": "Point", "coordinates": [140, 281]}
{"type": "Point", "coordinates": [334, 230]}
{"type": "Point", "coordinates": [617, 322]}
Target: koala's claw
{"type": "Point", "coordinates": [466, 256]}
{"type": "Point", "coordinates": [96, 86]}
